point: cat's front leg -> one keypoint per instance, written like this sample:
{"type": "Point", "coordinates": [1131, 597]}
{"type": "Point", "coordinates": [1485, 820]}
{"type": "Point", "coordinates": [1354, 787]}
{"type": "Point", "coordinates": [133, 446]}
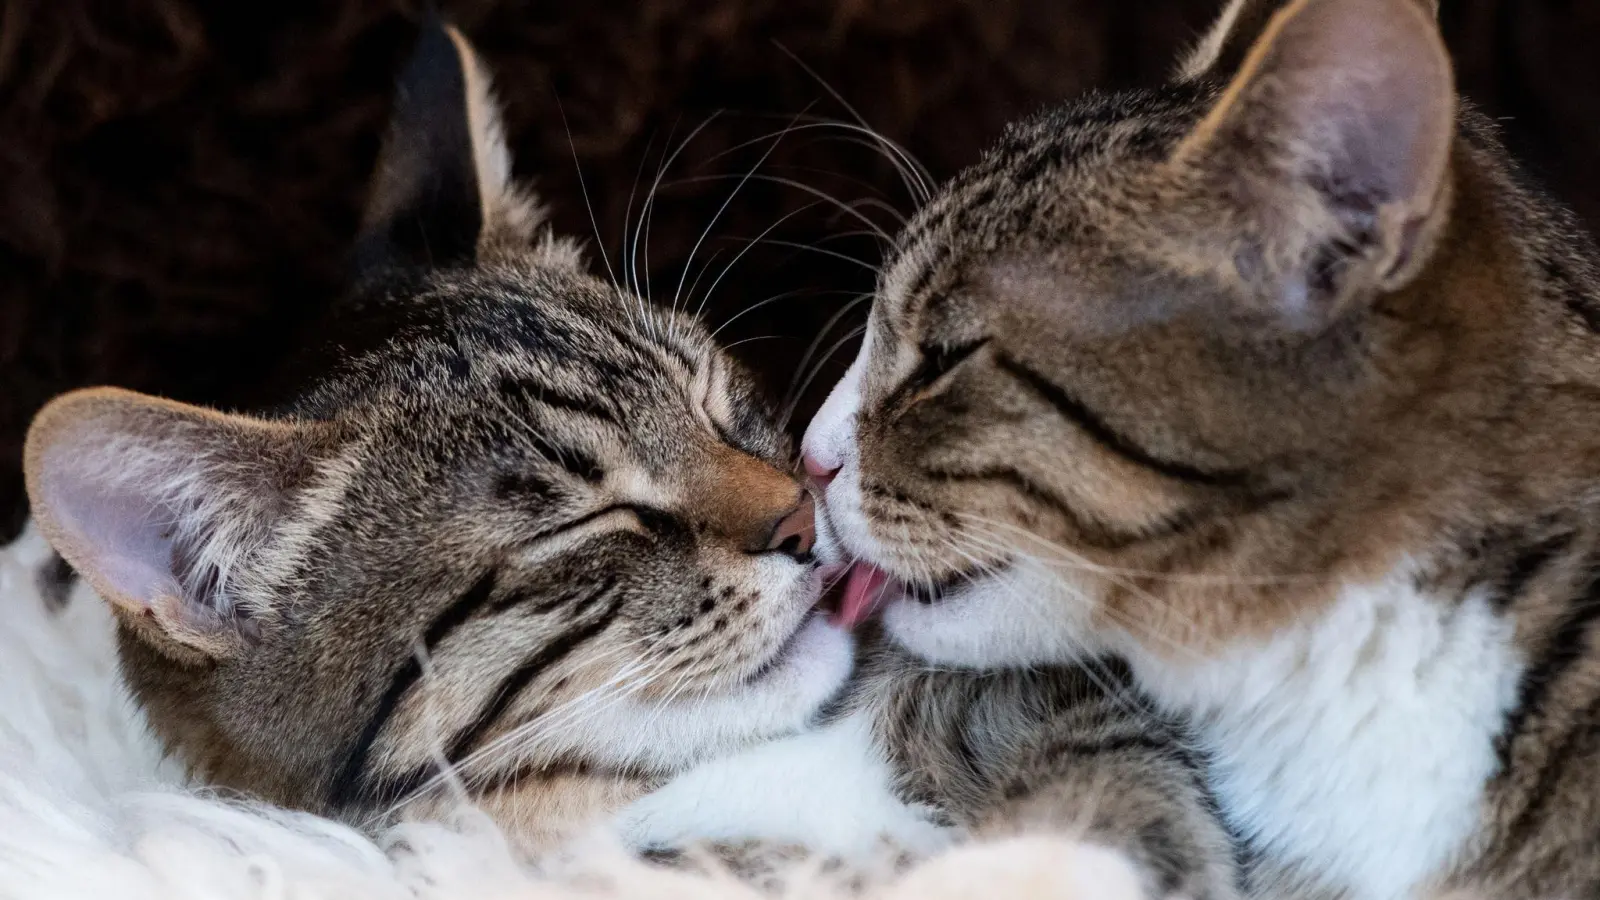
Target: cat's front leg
{"type": "Point", "coordinates": [1036, 866]}
{"type": "Point", "coordinates": [828, 791]}
{"type": "Point", "coordinates": [1144, 805]}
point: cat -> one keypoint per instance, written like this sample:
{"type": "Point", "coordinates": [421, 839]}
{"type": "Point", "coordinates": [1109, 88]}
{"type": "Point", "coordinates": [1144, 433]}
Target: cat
{"type": "Point", "coordinates": [510, 523]}
{"type": "Point", "coordinates": [1280, 382]}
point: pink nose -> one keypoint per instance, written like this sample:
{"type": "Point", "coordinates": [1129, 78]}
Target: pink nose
{"type": "Point", "coordinates": [819, 473]}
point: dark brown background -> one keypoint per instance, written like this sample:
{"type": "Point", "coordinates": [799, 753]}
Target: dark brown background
{"type": "Point", "coordinates": [179, 178]}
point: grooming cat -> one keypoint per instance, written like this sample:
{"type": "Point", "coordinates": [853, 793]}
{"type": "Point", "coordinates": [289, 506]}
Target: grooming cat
{"type": "Point", "coordinates": [513, 521]}
{"type": "Point", "coordinates": [1281, 383]}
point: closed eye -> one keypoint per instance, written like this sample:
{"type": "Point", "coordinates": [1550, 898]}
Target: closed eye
{"type": "Point", "coordinates": [655, 521]}
{"type": "Point", "coordinates": [938, 360]}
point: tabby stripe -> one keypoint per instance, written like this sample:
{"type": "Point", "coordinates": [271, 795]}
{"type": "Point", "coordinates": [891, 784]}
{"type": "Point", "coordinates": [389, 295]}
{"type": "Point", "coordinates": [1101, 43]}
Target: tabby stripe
{"type": "Point", "coordinates": [1567, 645]}
{"type": "Point", "coordinates": [1527, 566]}
{"type": "Point", "coordinates": [513, 684]}
{"type": "Point", "coordinates": [1163, 854]}
{"type": "Point", "coordinates": [1244, 852]}
{"type": "Point", "coordinates": [580, 600]}
{"type": "Point", "coordinates": [349, 784]}
{"type": "Point", "coordinates": [658, 349]}
{"type": "Point", "coordinates": [540, 394]}
{"type": "Point", "coordinates": [1525, 826]}
{"type": "Point", "coordinates": [1075, 411]}
{"type": "Point", "coordinates": [1095, 535]}
{"type": "Point", "coordinates": [1114, 744]}
{"type": "Point", "coordinates": [966, 750]}
{"type": "Point", "coordinates": [562, 767]}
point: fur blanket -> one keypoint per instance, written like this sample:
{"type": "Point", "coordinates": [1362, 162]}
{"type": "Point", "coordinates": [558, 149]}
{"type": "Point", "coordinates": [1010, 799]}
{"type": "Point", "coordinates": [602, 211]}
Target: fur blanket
{"type": "Point", "coordinates": [90, 808]}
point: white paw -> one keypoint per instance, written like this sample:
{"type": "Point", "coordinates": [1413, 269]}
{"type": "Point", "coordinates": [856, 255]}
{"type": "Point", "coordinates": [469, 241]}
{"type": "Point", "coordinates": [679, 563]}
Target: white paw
{"type": "Point", "coordinates": [828, 791]}
{"type": "Point", "coordinates": [1036, 867]}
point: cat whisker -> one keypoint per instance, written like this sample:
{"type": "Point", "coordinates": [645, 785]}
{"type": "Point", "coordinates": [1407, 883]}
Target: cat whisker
{"type": "Point", "coordinates": [811, 248]}
{"type": "Point", "coordinates": [909, 168]}
{"type": "Point", "coordinates": [740, 255]}
{"type": "Point", "coordinates": [1078, 653]}
{"type": "Point", "coordinates": [1068, 557]}
{"type": "Point", "coordinates": [775, 298]}
{"type": "Point", "coordinates": [649, 204]}
{"type": "Point", "coordinates": [759, 337]}
{"type": "Point", "coordinates": [543, 729]}
{"type": "Point", "coordinates": [822, 334]}
{"type": "Point", "coordinates": [717, 216]}
{"type": "Point", "coordinates": [848, 208]}
{"type": "Point", "coordinates": [583, 189]}
{"type": "Point", "coordinates": [800, 390]}
{"type": "Point", "coordinates": [1152, 630]}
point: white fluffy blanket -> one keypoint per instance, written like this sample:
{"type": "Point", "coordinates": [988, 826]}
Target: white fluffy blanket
{"type": "Point", "coordinates": [89, 808]}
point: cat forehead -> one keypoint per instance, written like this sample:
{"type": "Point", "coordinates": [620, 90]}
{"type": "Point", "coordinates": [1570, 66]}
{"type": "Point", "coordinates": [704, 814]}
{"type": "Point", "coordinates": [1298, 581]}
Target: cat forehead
{"type": "Point", "coordinates": [462, 370]}
{"type": "Point", "coordinates": [1053, 182]}
{"type": "Point", "coordinates": [450, 334]}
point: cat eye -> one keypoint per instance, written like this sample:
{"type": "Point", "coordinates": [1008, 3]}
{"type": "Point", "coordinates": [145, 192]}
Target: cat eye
{"type": "Point", "coordinates": [938, 360]}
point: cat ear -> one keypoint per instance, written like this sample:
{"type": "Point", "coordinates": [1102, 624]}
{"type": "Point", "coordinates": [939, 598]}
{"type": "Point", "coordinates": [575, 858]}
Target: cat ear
{"type": "Point", "coordinates": [161, 506]}
{"type": "Point", "coordinates": [1235, 30]}
{"type": "Point", "coordinates": [1325, 162]}
{"type": "Point", "coordinates": [1222, 50]}
{"type": "Point", "coordinates": [443, 194]}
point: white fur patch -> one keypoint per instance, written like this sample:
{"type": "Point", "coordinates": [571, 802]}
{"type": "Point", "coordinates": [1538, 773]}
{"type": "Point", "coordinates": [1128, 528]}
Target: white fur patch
{"type": "Point", "coordinates": [1042, 868]}
{"type": "Point", "coordinates": [1357, 746]}
{"type": "Point", "coordinates": [1029, 614]}
{"type": "Point", "coordinates": [829, 790]}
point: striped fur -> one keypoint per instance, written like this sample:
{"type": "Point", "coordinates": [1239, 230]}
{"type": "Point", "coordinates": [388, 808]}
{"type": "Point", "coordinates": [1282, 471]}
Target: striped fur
{"type": "Point", "coordinates": [509, 525]}
{"type": "Point", "coordinates": [1280, 382]}
{"type": "Point", "coordinates": [1067, 750]}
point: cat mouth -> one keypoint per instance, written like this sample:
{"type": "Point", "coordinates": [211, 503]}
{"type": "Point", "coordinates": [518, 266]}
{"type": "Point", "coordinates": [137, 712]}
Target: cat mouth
{"type": "Point", "coordinates": [865, 589]}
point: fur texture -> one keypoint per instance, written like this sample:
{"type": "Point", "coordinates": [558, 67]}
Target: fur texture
{"type": "Point", "coordinates": [91, 807]}
{"type": "Point", "coordinates": [511, 532]}
{"type": "Point", "coordinates": [1279, 382]}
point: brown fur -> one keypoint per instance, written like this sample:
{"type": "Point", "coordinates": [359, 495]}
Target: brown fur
{"type": "Point", "coordinates": [510, 531]}
{"type": "Point", "coordinates": [1221, 349]}
{"type": "Point", "coordinates": [1059, 750]}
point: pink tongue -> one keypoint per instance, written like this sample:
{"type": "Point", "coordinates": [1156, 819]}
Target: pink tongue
{"type": "Point", "coordinates": [863, 588]}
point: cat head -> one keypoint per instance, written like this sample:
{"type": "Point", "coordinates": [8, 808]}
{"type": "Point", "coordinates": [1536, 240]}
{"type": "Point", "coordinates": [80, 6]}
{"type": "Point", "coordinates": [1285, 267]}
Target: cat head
{"type": "Point", "coordinates": [524, 523]}
{"type": "Point", "coordinates": [1174, 362]}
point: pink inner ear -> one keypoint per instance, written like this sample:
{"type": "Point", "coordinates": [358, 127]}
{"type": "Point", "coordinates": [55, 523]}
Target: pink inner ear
{"type": "Point", "coordinates": [1366, 86]}
{"type": "Point", "coordinates": [122, 532]}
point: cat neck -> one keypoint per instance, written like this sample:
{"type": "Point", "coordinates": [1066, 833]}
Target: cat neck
{"type": "Point", "coordinates": [1361, 738]}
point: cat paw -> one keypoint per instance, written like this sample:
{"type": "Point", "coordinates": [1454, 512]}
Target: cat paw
{"type": "Point", "coordinates": [1037, 867]}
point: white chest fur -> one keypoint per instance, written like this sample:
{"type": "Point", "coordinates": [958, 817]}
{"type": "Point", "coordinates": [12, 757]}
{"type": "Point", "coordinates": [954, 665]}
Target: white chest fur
{"type": "Point", "coordinates": [1355, 748]}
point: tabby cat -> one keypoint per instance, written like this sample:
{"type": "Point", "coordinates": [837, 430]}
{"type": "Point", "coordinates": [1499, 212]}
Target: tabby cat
{"type": "Point", "coordinates": [1282, 383]}
{"type": "Point", "coordinates": [513, 523]}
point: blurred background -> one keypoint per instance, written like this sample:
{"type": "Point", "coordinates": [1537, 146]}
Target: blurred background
{"type": "Point", "coordinates": [179, 179]}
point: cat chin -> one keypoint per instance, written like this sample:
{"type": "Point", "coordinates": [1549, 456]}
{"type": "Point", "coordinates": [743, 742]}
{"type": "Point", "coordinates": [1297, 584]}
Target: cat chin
{"type": "Point", "coordinates": [1026, 614]}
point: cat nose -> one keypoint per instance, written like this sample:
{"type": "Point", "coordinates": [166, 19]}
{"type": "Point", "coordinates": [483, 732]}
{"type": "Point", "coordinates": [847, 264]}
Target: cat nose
{"type": "Point", "coordinates": [796, 532]}
{"type": "Point", "coordinates": [820, 473]}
